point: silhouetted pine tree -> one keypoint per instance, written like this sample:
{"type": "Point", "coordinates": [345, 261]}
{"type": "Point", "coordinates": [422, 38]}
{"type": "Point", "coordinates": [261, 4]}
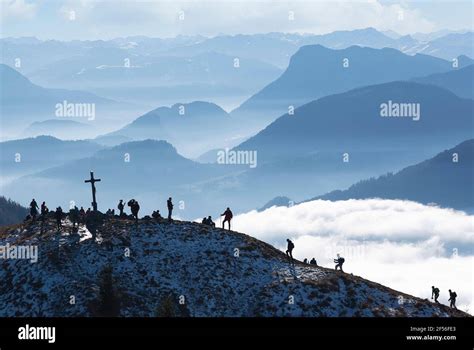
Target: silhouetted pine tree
{"type": "Point", "coordinates": [11, 212]}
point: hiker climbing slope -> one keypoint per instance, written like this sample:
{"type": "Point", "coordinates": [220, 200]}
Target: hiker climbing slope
{"type": "Point", "coordinates": [452, 299]}
{"type": "Point", "coordinates": [339, 261]}
{"type": "Point", "coordinates": [227, 217]}
{"type": "Point", "coordinates": [289, 249]}
{"type": "Point", "coordinates": [435, 293]}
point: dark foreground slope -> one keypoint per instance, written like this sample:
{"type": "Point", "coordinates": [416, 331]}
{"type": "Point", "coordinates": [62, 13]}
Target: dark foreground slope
{"type": "Point", "coordinates": [211, 271]}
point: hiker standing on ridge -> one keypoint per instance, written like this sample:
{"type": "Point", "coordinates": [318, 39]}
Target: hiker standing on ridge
{"type": "Point", "coordinates": [170, 205]}
{"type": "Point", "coordinates": [339, 261]}
{"type": "Point", "coordinates": [435, 293]}
{"type": "Point", "coordinates": [135, 208]}
{"type": "Point", "coordinates": [74, 216]}
{"type": "Point", "coordinates": [82, 215]}
{"type": "Point", "coordinates": [59, 215]}
{"type": "Point", "coordinates": [33, 209]}
{"type": "Point", "coordinates": [120, 207]}
{"type": "Point", "coordinates": [289, 250]}
{"type": "Point", "coordinates": [452, 299]}
{"type": "Point", "coordinates": [44, 211]}
{"type": "Point", "coordinates": [227, 217]}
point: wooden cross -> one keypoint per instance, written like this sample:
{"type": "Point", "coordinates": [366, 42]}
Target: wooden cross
{"type": "Point", "coordinates": [93, 181]}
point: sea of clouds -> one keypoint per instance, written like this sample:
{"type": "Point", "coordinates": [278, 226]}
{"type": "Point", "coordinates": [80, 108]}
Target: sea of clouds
{"type": "Point", "coordinates": [404, 245]}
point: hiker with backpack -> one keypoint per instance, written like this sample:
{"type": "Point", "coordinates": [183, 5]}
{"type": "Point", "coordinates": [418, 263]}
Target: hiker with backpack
{"type": "Point", "coordinates": [227, 217]}
{"type": "Point", "coordinates": [313, 262]}
{"type": "Point", "coordinates": [435, 294]}
{"type": "Point", "coordinates": [170, 206]}
{"type": "Point", "coordinates": [289, 250]}
{"type": "Point", "coordinates": [134, 208]}
{"type": "Point", "coordinates": [339, 261]}
{"type": "Point", "coordinates": [452, 299]}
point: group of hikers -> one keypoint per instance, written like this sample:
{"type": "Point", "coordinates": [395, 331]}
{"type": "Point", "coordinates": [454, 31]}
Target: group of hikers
{"type": "Point", "coordinates": [289, 253]}
{"type": "Point", "coordinates": [452, 296]}
{"type": "Point", "coordinates": [312, 262]}
{"type": "Point", "coordinates": [77, 215]}
{"type": "Point", "coordinates": [339, 261]}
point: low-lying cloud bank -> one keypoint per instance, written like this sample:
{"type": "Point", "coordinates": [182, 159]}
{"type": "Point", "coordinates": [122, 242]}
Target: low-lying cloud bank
{"type": "Point", "coordinates": [404, 245]}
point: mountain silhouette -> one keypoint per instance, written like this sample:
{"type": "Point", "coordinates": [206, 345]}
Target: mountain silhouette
{"type": "Point", "coordinates": [192, 128]}
{"type": "Point", "coordinates": [24, 156]}
{"type": "Point", "coordinates": [459, 81]}
{"type": "Point", "coordinates": [63, 129]}
{"type": "Point", "coordinates": [23, 103]}
{"type": "Point", "coordinates": [437, 180]}
{"type": "Point", "coordinates": [316, 71]}
{"type": "Point", "coordinates": [352, 121]}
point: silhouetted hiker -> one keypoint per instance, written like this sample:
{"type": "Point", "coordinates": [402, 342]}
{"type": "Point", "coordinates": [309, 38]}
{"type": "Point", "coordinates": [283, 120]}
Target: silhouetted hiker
{"type": "Point", "coordinates": [134, 207]}
{"type": "Point", "coordinates": [227, 217]}
{"type": "Point", "coordinates": [82, 215]}
{"type": "Point", "coordinates": [204, 221]}
{"type": "Point", "coordinates": [120, 207]}
{"type": "Point", "coordinates": [452, 299]}
{"type": "Point", "coordinates": [339, 261]}
{"type": "Point", "coordinates": [169, 203]}
{"type": "Point", "coordinates": [44, 209]}
{"type": "Point", "coordinates": [58, 215]}
{"type": "Point", "coordinates": [33, 209]}
{"type": "Point", "coordinates": [210, 222]}
{"type": "Point", "coordinates": [305, 261]}
{"type": "Point", "coordinates": [74, 216]}
{"type": "Point", "coordinates": [156, 215]}
{"type": "Point", "coordinates": [313, 262]}
{"type": "Point", "coordinates": [435, 293]}
{"type": "Point", "coordinates": [289, 250]}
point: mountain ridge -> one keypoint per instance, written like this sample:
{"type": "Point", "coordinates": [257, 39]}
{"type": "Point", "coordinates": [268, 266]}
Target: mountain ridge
{"type": "Point", "coordinates": [182, 269]}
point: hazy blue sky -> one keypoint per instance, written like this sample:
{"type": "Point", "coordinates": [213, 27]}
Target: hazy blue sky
{"type": "Point", "coordinates": [104, 19]}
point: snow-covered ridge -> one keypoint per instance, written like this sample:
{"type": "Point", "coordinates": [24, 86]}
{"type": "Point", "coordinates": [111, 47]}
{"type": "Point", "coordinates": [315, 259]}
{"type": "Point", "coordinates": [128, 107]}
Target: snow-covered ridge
{"type": "Point", "coordinates": [180, 269]}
